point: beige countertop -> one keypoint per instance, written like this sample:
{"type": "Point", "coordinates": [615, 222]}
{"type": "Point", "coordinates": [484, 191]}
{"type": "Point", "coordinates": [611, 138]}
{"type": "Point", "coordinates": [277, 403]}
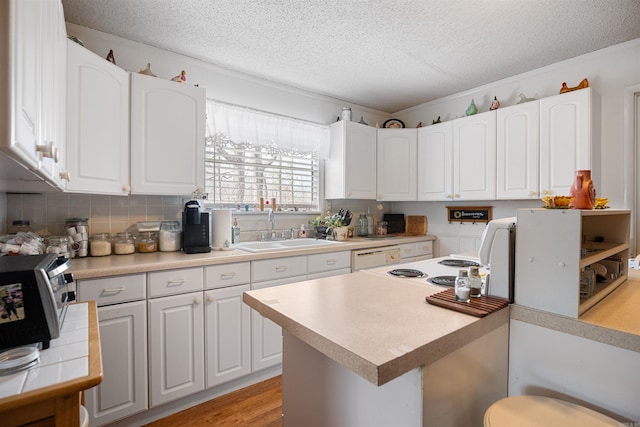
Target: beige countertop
{"type": "Point", "coordinates": [379, 327]}
{"type": "Point", "coordinates": [113, 265]}
{"type": "Point", "coordinates": [614, 321]}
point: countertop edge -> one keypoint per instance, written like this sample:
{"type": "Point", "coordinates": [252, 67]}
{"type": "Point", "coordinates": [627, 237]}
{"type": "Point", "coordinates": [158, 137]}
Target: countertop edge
{"type": "Point", "coordinates": [576, 327]}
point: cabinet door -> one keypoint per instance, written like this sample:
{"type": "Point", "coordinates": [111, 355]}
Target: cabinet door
{"type": "Point", "coordinates": [565, 140]}
{"type": "Point", "coordinates": [397, 164]}
{"type": "Point", "coordinates": [474, 157]}
{"type": "Point", "coordinates": [228, 335]}
{"type": "Point", "coordinates": [123, 341]}
{"type": "Point", "coordinates": [97, 124]}
{"type": "Point", "coordinates": [435, 162]}
{"type": "Point", "coordinates": [518, 151]}
{"type": "Point", "coordinates": [167, 136]}
{"type": "Point", "coordinates": [350, 171]}
{"type": "Point", "coordinates": [266, 336]}
{"type": "Point", "coordinates": [25, 57]}
{"type": "Point", "coordinates": [176, 347]}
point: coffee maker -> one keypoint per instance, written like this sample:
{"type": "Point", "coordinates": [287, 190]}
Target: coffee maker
{"type": "Point", "coordinates": [195, 229]}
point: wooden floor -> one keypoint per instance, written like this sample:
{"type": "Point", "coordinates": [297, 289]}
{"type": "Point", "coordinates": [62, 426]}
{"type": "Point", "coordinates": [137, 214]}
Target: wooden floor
{"type": "Point", "coordinates": [259, 405]}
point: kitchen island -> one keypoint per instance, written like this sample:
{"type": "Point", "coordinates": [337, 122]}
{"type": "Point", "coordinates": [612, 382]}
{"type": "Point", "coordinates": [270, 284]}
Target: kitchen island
{"type": "Point", "coordinates": [367, 350]}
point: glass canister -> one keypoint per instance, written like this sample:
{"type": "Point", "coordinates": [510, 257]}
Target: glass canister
{"type": "Point", "coordinates": [78, 235]}
{"type": "Point", "coordinates": [148, 242]}
{"type": "Point", "coordinates": [363, 225]}
{"type": "Point", "coordinates": [475, 282]}
{"type": "Point", "coordinates": [100, 244]}
{"type": "Point", "coordinates": [123, 244]}
{"type": "Point", "coordinates": [170, 236]}
{"type": "Point", "coordinates": [381, 228]}
{"type": "Point", "coordinates": [58, 245]}
{"type": "Point", "coordinates": [462, 289]}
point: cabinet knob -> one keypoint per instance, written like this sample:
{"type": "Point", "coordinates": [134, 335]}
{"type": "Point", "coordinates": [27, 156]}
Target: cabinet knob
{"type": "Point", "coordinates": [210, 299]}
{"type": "Point", "coordinates": [545, 192]}
{"type": "Point", "coordinates": [65, 175]}
{"type": "Point", "coordinates": [197, 301]}
{"type": "Point", "coordinates": [532, 193]}
{"type": "Point", "coordinates": [448, 196]}
{"type": "Point", "coordinates": [456, 196]}
{"type": "Point", "coordinates": [348, 193]}
{"type": "Point", "coordinates": [126, 188]}
{"type": "Point", "coordinates": [48, 150]}
{"type": "Point", "coordinates": [561, 264]}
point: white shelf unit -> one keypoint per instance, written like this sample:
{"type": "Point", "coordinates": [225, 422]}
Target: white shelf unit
{"type": "Point", "coordinates": [553, 248]}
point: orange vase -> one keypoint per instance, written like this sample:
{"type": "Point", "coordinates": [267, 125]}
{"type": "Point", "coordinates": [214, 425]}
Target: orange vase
{"type": "Point", "coordinates": [582, 190]}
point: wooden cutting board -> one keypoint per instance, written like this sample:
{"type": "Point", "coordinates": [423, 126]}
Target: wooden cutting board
{"type": "Point", "coordinates": [416, 225]}
{"type": "Point", "coordinates": [478, 307]}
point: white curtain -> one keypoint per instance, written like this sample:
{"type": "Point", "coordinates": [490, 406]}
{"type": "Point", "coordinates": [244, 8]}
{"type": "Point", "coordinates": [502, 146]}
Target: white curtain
{"type": "Point", "coordinates": [241, 124]}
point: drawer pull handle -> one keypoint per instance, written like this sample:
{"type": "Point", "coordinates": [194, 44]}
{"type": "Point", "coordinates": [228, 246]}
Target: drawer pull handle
{"type": "Point", "coordinates": [331, 261]}
{"type": "Point", "coordinates": [178, 282]}
{"type": "Point", "coordinates": [226, 276]}
{"type": "Point", "coordinates": [281, 268]}
{"type": "Point", "coordinates": [113, 290]}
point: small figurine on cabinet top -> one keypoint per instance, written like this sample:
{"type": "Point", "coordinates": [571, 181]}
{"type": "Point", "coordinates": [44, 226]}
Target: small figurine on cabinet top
{"type": "Point", "coordinates": [523, 99]}
{"type": "Point", "coordinates": [472, 109]}
{"type": "Point", "coordinates": [495, 104]}
{"type": "Point", "coordinates": [419, 125]}
{"type": "Point", "coordinates": [436, 121]}
{"type": "Point", "coordinates": [180, 78]}
{"type": "Point", "coordinates": [147, 71]}
{"type": "Point", "coordinates": [110, 57]}
{"type": "Point", "coordinates": [583, 84]}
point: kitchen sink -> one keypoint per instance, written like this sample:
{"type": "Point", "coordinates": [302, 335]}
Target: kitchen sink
{"type": "Point", "coordinates": [278, 245]}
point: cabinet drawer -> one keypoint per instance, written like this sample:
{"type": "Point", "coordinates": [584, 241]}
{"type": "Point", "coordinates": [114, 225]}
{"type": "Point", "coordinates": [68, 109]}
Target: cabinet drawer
{"type": "Point", "coordinates": [175, 281]}
{"type": "Point", "coordinates": [318, 263]}
{"type": "Point", "coordinates": [221, 276]}
{"type": "Point", "coordinates": [424, 248]}
{"type": "Point", "coordinates": [407, 250]}
{"type": "Point", "coordinates": [270, 269]}
{"type": "Point", "coordinates": [114, 289]}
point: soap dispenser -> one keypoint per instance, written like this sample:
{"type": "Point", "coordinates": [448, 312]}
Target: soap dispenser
{"type": "Point", "coordinates": [235, 232]}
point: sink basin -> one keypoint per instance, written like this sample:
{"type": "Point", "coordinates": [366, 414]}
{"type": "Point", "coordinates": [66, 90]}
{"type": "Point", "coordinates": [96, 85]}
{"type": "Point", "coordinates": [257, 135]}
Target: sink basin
{"type": "Point", "coordinates": [283, 244]}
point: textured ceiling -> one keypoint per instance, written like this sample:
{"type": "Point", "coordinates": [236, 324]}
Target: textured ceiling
{"type": "Point", "coordinates": [385, 54]}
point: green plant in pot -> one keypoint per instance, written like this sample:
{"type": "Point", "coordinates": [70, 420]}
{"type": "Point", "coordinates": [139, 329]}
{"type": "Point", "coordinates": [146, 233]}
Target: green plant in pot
{"type": "Point", "coordinates": [324, 226]}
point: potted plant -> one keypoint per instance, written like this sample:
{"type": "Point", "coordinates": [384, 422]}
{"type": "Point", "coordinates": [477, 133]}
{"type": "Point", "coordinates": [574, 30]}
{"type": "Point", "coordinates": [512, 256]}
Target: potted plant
{"type": "Point", "coordinates": [324, 226]}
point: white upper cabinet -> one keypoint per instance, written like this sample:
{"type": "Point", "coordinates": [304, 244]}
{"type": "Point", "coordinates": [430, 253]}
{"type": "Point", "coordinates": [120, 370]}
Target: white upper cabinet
{"type": "Point", "coordinates": [167, 136]}
{"type": "Point", "coordinates": [350, 170]}
{"type": "Point", "coordinates": [97, 124]}
{"type": "Point", "coordinates": [397, 164]}
{"type": "Point", "coordinates": [435, 162]}
{"type": "Point", "coordinates": [474, 157]}
{"type": "Point", "coordinates": [569, 139]}
{"type": "Point", "coordinates": [518, 151]}
{"type": "Point", "coordinates": [34, 62]}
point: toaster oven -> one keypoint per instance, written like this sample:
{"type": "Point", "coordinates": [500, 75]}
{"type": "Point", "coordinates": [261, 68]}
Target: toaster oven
{"type": "Point", "coordinates": [34, 294]}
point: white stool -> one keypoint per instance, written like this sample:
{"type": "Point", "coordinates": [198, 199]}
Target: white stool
{"type": "Point", "coordinates": [539, 411]}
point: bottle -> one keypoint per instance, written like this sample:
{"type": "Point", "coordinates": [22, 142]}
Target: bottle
{"type": "Point", "coordinates": [235, 232]}
{"type": "Point", "coordinates": [363, 226]}
{"type": "Point", "coordinates": [369, 222]}
{"type": "Point", "coordinates": [462, 286]}
{"type": "Point", "coordinates": [475, 282]}
{"type": "Point", "coordinates": [303, 232]}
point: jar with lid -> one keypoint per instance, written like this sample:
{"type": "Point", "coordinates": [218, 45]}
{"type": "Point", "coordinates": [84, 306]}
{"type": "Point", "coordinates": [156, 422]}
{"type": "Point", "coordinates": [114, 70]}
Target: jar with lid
{"type": "Point", "coordinates": [381, 228]}
{"type": "Point", "coordinates": [78, 235]}
{"type": "Point", "coordinates": [123, 244]}
{"type": "Point", "coordinates": [170, 236]}
{"type": "Point", "coordinates": [462, 289]}
{"type": "Point", "coordinates": [148, 242]}
{"type": "Point", "coordinates": [100, 244]}
{"type": "Point", "coordinates": [475, 282]}
{"type": "Point", "coordinates": [58, 245]}
{"type": "Point", "coordinates": [363, 225]}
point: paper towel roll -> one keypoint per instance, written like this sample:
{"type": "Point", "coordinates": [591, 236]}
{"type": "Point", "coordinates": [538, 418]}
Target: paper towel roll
{"type": "Point", "coordinates": [221, 224]}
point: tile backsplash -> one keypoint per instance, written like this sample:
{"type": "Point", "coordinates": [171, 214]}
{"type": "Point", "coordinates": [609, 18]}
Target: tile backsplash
{"type": "Point", "coordinates": [107, 214]}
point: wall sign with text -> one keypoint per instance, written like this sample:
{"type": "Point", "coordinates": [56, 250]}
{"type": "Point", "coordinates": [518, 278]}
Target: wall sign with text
{"type": "Point", "coordinates": [469, 213]}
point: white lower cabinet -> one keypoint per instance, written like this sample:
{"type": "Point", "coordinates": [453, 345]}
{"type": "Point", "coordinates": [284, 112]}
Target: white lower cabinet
{"type": "Point", "coordinates": [266, 336]}
{"type": "Point", "coordinates": [227, 335]}
{"type": "Point", "coordinates": [416, 251]}
{"type": "Point", "coordinates": [176, 347]}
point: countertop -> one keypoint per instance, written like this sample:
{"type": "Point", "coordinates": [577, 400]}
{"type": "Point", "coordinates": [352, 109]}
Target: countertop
{"type": "Point", "coordinates": [70, 365]}
{"type": "Point", "coordinates": [615, 320]}
{"type": "Point", "coordinates": [377, 326]}
{"type": "Point", "coordinates": [113, 265]}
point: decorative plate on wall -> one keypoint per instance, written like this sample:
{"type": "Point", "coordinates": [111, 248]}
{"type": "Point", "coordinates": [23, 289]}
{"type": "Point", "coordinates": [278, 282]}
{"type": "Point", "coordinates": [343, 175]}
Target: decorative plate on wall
{"type": "Point", "coordinates": [393, 124]}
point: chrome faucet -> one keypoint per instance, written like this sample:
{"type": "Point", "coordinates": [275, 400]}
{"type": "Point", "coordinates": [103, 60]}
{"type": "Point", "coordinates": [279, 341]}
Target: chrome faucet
{"type": "Point", "coordinates": [272, 220]}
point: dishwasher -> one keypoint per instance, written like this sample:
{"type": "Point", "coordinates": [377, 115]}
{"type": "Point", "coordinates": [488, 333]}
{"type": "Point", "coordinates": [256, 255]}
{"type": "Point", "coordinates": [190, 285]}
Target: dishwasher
{"type": "Point", "coordinates": [363, 259]}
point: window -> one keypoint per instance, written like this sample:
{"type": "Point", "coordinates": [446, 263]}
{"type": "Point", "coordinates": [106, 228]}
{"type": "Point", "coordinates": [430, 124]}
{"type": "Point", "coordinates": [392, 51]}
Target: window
{"type": "Point", "coordinates": [252, 154]}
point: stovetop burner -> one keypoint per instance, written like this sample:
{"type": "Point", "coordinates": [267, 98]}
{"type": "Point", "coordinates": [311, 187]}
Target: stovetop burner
{"type": "Point", "coordinates": [442, 280]}
{"type": "Point", "coordinates": [458, 263]}
{"type": "Point", "coordinates": [406, 272]}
